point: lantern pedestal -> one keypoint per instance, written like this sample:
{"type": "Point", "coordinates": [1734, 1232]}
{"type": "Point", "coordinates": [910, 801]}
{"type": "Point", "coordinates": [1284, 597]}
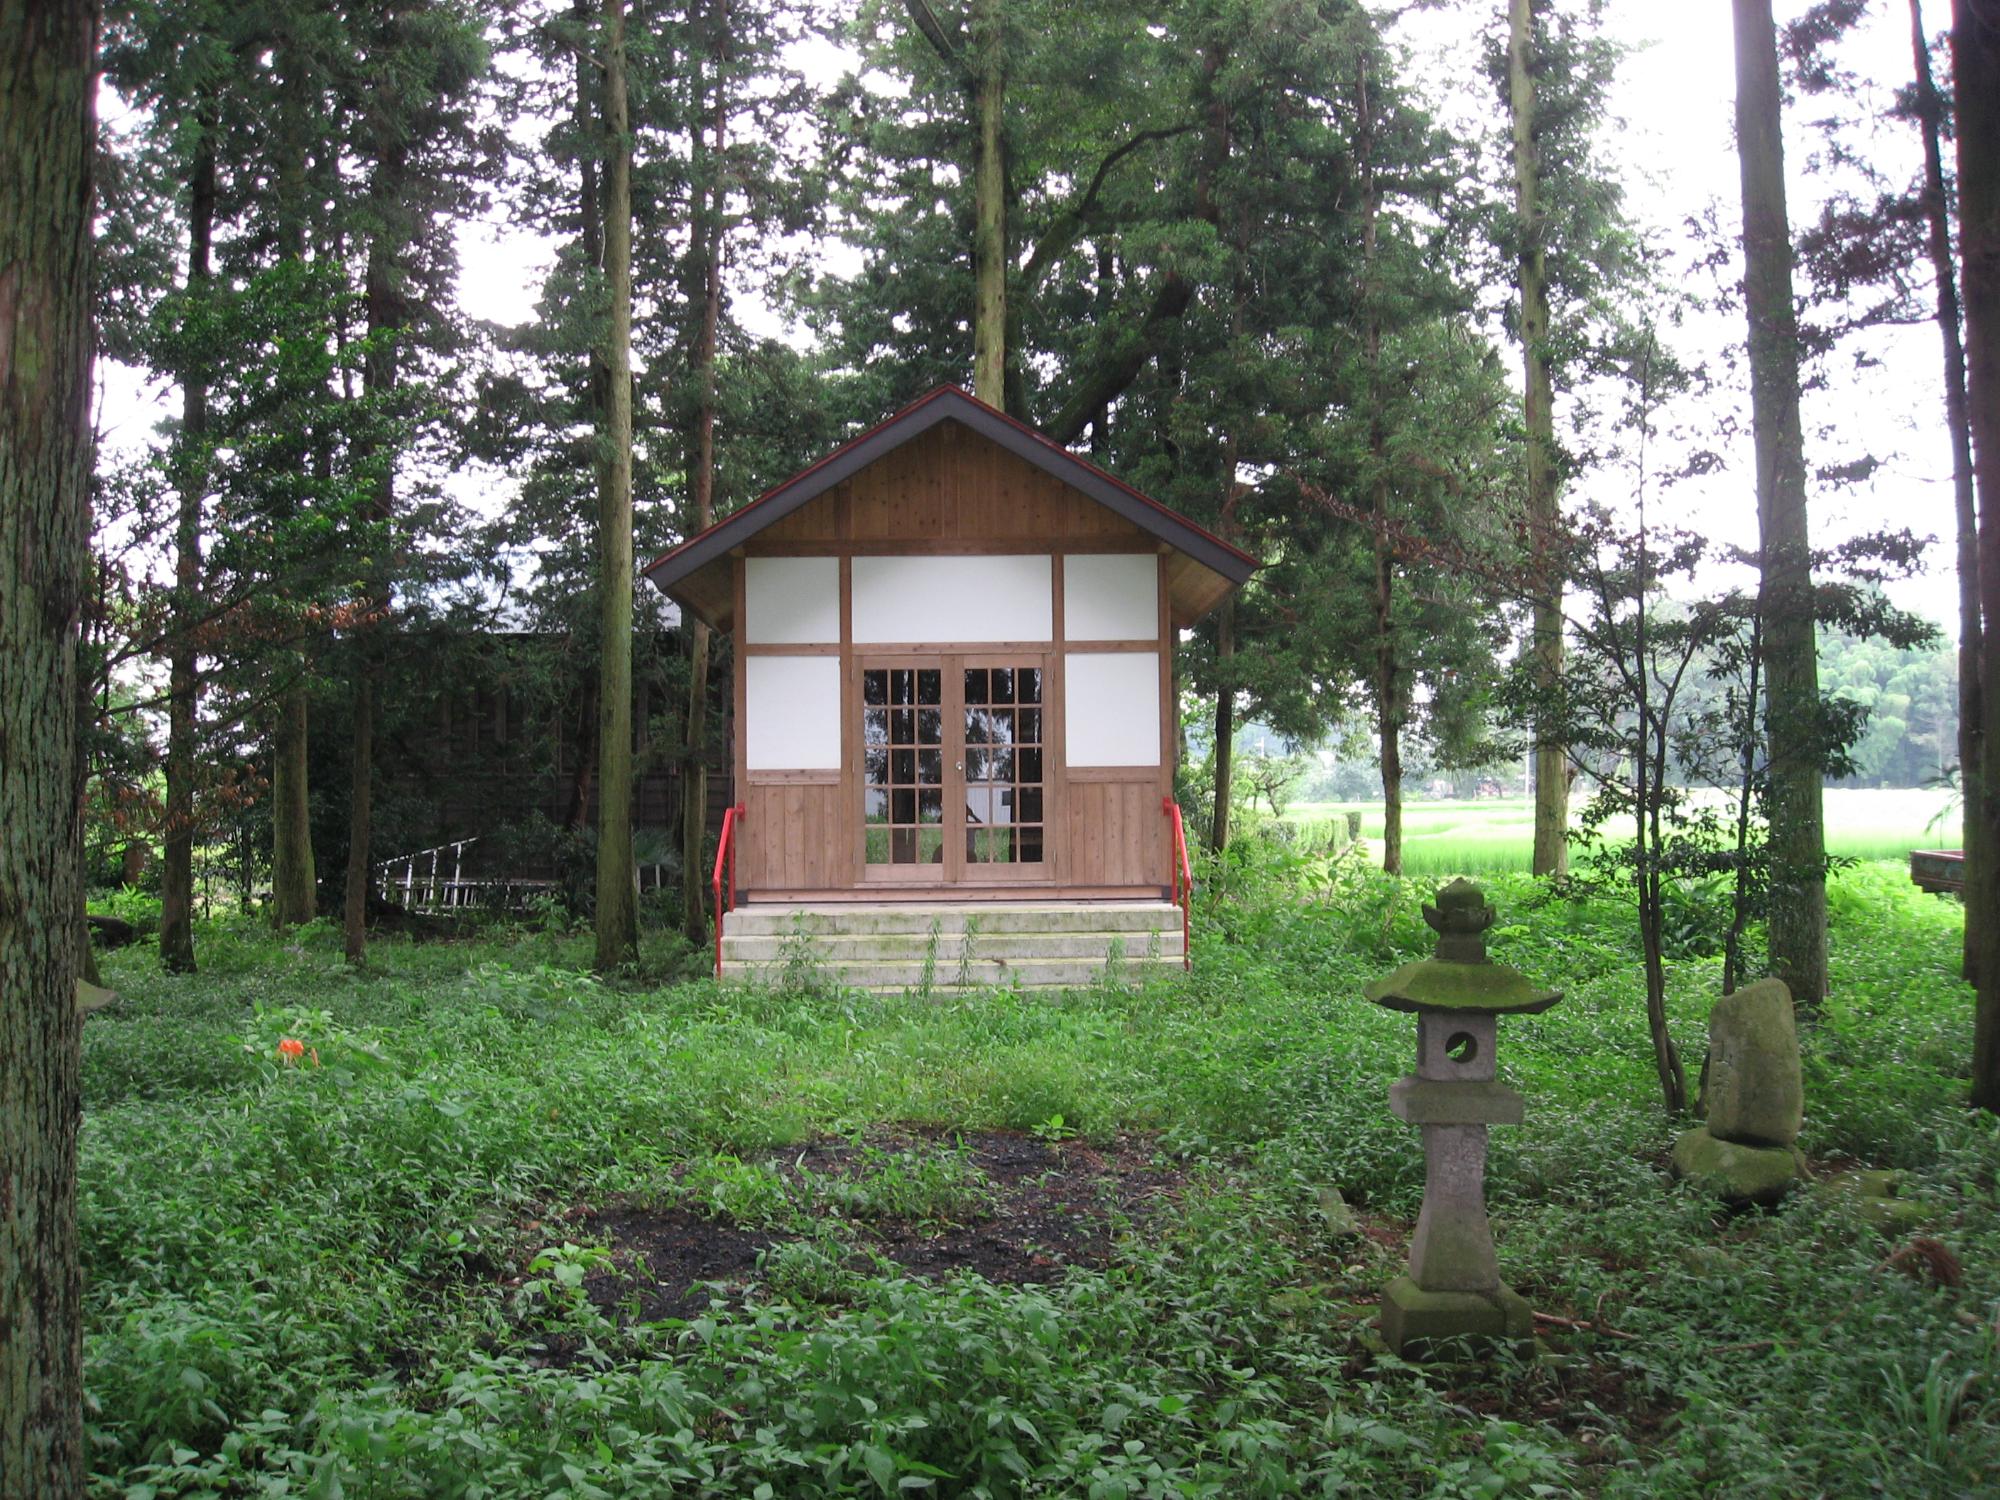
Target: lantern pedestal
{"type": "Point", "coordinates": [1415, 1322]}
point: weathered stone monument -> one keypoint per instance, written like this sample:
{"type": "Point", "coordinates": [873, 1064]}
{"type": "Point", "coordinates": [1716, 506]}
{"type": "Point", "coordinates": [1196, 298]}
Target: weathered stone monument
{"type": "Point", "coordinates": [1753, 1099]}
{"type": "Point", "coordinates": [1453, 1289]}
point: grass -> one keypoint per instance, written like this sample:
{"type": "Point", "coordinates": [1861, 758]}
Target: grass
{"type": "Point", "coordinates": [1497, 835]}
{"type": "Point", "coordinates": [358, 1278]}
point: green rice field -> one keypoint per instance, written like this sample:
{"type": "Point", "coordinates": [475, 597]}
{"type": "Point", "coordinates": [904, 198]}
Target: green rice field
{"type": "Point", "coordinates": [1497, 834]}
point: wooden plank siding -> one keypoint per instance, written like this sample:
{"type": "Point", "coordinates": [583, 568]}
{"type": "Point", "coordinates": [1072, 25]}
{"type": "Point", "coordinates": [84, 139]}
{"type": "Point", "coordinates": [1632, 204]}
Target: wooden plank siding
{"type": "Point", "coordinates": [790, 835]}
{"type": "Point", "coordinates": [1116, 831]}
{"type": "Point", "coordinates": [949, 491]}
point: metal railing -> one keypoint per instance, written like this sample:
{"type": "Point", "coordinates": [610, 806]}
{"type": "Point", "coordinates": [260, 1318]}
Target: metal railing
{"type": "Point", "coordinates": [1183, 878]}
{"type": "Point", "coordinates": [725, 860]}
{"type": "Point", "coordinates": [428, 884]}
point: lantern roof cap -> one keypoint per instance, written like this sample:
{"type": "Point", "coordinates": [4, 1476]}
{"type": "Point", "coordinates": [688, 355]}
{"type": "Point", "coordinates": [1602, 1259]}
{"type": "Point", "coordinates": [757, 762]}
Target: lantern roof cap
{"type": "Point", "coordinates": [1461, 978]}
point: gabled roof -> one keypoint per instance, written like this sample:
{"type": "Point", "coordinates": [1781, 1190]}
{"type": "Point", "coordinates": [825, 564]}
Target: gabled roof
{"type": "Point", "coordinates": [946, 404]}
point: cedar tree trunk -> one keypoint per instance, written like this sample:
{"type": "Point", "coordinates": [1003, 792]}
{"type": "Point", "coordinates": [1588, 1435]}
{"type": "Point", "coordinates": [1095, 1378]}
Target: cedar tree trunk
{"type": "Point", "coordinates": [183, 667]}
{"type": "Point", "coordinates": [1225, 722]}
{"type": "Point", "coordinates": [294, 882]}
{"type": "Point", "coordinates": [380, 373]}
{"type": "Point", "coordinates": [617, 898]}
{"type": "Point", "coordinates": [694, 764]}
{"type": "Point", "coordinates": [1551, 855]}
{"type": "Point", "coordinates": [1388, 693]}
{"type": "Point", "coordinates": [47, 137]}
{"type": "Point", "coordinates": [1975, 46]}
{"type": "Point", "coordinates": [1971, 642]}
{"type": "Point", "coordinates": [989, 193]}
{"type": "Point", "coordinates": [1797, 921]}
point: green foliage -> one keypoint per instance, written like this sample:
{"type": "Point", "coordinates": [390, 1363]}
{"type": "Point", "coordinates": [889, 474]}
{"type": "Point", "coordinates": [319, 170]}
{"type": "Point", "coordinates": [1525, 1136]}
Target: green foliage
{"type": "Point", "coordinates": [340, 1276]}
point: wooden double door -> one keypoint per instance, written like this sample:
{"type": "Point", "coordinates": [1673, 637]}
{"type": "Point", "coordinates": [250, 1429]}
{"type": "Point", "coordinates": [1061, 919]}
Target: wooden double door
{"type": "Point", "coordinates": [955, 769]}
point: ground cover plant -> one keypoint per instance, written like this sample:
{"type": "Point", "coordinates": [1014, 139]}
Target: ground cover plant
{"type": "Point", "coordinates": [501, 1229]}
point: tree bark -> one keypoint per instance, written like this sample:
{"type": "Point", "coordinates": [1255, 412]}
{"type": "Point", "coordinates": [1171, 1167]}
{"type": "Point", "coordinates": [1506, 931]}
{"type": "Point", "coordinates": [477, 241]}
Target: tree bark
{"type": "Point", "coordinates": [1649, 770]}
{"type": "Point", "coordinates": [989, 193]}
{"type": "Point", "coordinates": [294, 882]}
{"type": "Point", "coordinates": [583, 772]}
{"type": "Point", "coordinates": [1225, 723]}
{"type": "Point", "coordinates": [1797, 922]}
{"type": "Point", "coordinates": [1388, 693]}
{"type": "Point", "coordinates": [383, 302]}
{"type": "Point", "coordinates": [1551, 852]}
{"type": "Point", "coordinates": [183, 666]}
{"type": "Point", "coordinates": [1100, 419]}
{"type": "Point", "coordinates": [694, 763]}
{"type": "Point", "coordinates": [617, 897]}
{"type": "Point", "coordinates": [361, 809]}
{"type": "Point", "coordinates": [1971, 643]}
{"type": "Point", "coordinates": [1975, 45]}
{"type": "Point", "coordinates": [1388, 689]}
{"type": "Point", "coordinates": [294, 878]}
{"type": "Point", "coordinates": [47, 137]}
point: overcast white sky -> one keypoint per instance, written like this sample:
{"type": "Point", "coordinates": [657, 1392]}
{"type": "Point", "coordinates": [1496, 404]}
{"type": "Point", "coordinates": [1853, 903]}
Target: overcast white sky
{"type": "Point", "coordinates": [1674, 101]}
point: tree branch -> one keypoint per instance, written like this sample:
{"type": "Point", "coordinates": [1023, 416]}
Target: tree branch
{"type": "Point", "coordinates": [1066, 230]}
{"type": "Point", "coordinates": [926, 21]}
{"type": "Point", "coordinates": [1122, 366]}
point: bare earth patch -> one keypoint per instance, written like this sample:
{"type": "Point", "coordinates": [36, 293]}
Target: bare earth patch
{"type": "Point", "coordinates": [1052, 1205]}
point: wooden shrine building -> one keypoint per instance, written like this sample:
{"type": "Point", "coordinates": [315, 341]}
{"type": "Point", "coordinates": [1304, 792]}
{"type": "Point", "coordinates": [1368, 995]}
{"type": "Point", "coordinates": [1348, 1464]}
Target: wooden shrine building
{"type": "Point", "coordinates": [954, 694]}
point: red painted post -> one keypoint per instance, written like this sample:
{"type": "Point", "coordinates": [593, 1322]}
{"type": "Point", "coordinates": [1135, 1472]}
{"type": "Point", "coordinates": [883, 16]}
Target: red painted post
{"type": "Point", "coordinates": [725, 859]}
{"type": "Point", "coordinates": [1183, 878]}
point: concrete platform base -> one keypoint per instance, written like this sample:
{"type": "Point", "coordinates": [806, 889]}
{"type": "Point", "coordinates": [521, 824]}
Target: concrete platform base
{"type": "Point", "coordinates": [1418, 1325]}
{"type": "Point", "coordinates": [942, 945]}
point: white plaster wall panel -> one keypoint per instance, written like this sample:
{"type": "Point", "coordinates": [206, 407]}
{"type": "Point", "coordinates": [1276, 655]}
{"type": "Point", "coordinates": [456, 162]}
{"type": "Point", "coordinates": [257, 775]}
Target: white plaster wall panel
{"type": "Point", "coordinates": [791, 601]}
{"type": "Point", "coordinates": [1111, 596]}
{"type": "Point", "coordinates": [916, 600]}
{"type": "Point", "coordinates": [1111, 707]}
{"type": "Point", "coordinates": [793, 705]}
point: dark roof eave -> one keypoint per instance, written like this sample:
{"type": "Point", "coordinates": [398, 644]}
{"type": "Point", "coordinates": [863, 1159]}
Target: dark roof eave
{"type": "Point", "coordinates": [948, 403]}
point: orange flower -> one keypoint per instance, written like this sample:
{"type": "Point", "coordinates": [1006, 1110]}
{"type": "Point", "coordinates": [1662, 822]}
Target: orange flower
{"type": "Point", "coordinates": [291, 1049]}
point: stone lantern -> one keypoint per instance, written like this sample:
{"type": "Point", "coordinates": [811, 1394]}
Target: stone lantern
{"type": "Point", "coordinates": [1453, 1289]}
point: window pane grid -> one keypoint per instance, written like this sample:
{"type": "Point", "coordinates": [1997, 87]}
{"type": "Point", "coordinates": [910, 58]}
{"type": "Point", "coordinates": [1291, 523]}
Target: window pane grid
{"type": "Point", "coordinates": [902, 734]}
{"type": "Point", "coordinates": [1003, 766]}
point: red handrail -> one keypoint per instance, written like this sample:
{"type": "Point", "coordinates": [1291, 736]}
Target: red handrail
{"type": "Point", "coordinates": [725, 858]}
{"type": "Point", "coordinates": [1183, 881]}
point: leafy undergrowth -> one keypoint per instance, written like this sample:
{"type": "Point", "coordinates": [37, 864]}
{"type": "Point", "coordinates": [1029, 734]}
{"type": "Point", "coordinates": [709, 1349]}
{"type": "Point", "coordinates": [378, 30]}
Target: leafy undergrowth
{"type": "Point", "coordinates": [421, 1260]}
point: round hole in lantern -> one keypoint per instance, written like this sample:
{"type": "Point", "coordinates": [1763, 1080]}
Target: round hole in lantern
{"type": "Point", "coordinates": [1461, 1046]}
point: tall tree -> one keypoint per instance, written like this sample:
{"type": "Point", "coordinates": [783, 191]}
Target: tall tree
{"type": "Point", "coordinates": [191, 463]}
{"type": "Point", "coordinates": [47, 139]}
{"type": "Point", "coordinates": [1975, 50]}
{"type": "Point", "coordinates": [1551, 850]}
{"type": "Point", "coordinates": [1929, 109]}
{"type": "Point", "coordinates": [387, 310]}
{"type": "Point", "coordinates": [704, 280]}
{"type": "Point", "coordinates": [410, 97]}
{"type": "Point", "coordinates": [294, 883]}
{"type": "Point", "coordinates": [1797, 923]}
{"type": "Point", "coordinates": [617, 917]}
{"type": "Point", "coordinates": [979, 65]}
{"type": "Point", "coordinates": [294, 876]}
{"type": "Point", "coordinates": [989, 193]}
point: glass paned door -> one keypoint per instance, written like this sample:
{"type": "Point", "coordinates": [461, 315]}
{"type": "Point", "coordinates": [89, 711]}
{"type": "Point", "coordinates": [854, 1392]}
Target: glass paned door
{"type": "Point", "coordinates": [903, 769]}
{"type": "Point", "coordinates": [1004, 804]}
{"type": "Point", "coordinates": [953, 770]}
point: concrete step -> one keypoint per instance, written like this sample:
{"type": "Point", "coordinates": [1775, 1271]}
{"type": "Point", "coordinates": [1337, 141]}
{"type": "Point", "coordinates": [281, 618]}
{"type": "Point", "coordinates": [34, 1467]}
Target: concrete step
{"type": "Point", "coordinates": [761, 919]}
{"type": "Point", "coordinates": [948, 947]}
{"type": "Point", "coordinates": [943, 975]}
